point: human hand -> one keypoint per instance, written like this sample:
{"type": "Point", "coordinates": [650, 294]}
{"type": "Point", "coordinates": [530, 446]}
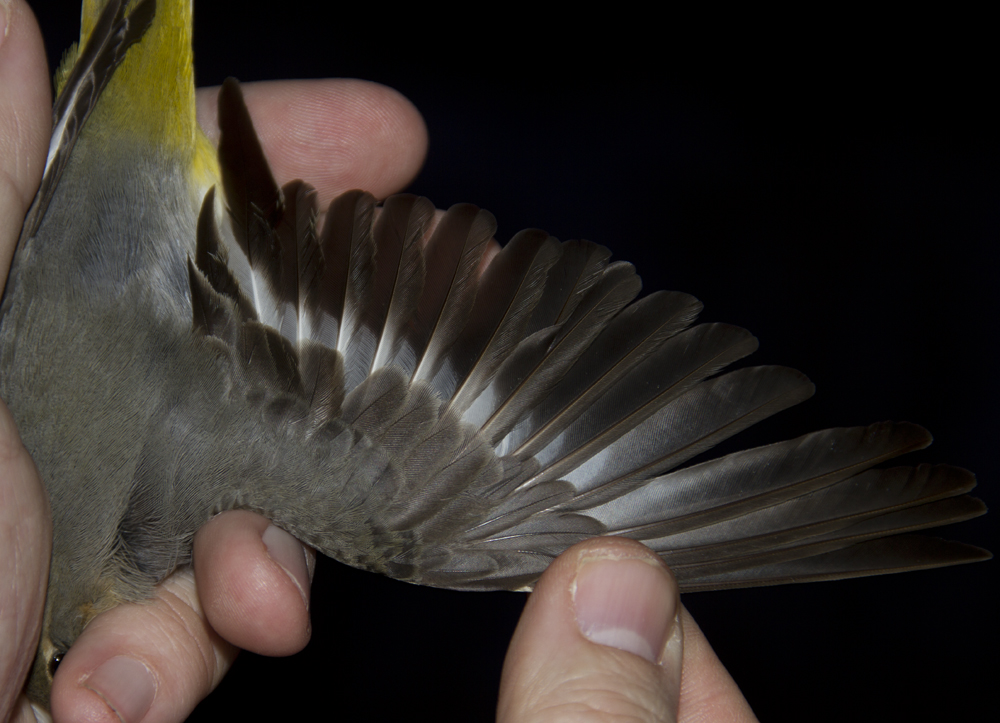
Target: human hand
{"type": "Point", "coordinates": [164, 656]}
{"type": "Point", "coordinates": [599, 641]}
{"type": "Point", "coordinates": [249, 586]}
{"type": "Point", "coordinates": [25, 519]}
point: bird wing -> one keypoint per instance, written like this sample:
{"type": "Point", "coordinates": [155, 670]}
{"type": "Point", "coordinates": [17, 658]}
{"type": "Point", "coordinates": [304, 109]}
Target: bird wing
{"type": "Point", "coordinates": [114, 32]}
{"type": "Point", "coordinates": [532, 403]}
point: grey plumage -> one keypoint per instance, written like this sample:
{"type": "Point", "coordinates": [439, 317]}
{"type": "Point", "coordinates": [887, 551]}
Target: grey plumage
{"type": "Point", "coordinates": [414, 463]}
{"type": "Point", "coordinates": [114, 33]}
{"type": "Point", "coordinates": [404, 415]}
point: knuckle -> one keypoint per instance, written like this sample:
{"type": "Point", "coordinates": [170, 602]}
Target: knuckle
{"type": "Point", "coordinates": [604, 698]}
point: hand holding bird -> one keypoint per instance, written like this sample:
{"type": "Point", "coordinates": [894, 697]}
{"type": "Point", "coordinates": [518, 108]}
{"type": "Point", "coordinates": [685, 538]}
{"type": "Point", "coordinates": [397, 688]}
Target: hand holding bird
{"type": "Point", "coordinates": [553, 438]}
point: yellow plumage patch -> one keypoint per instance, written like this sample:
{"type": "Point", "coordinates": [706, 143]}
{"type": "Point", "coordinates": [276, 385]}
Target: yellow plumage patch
{"type": "Point", "coordinates": [150, 99]}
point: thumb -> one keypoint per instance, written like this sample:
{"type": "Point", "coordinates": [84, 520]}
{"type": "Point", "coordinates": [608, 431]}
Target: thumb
{"type": "Point", "coordinates": [25, 120]}
{"type": "Point", "coordinates": [599, 640]}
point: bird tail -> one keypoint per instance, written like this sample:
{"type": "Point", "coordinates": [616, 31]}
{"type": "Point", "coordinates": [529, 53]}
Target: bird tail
{"type": "Point", "coordinates": [529, 404]}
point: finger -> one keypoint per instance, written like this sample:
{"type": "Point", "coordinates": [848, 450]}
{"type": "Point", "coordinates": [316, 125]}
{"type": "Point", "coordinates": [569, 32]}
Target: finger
{"type": "Point", "coordinates": [708, 692]}
{"type": "Point", "coordinates": [25, 120]}
{"type": "Point", "coordinates": [249, 588]}
{"type": "Point", "coordinates": [25, 545]}
{"type": "Point", "coordinates": [152, 661]}
{"type": "Point", "coordinates": [25, 712]}
{"type": "Point", "coordinates": [336, 134]}
{"type": "Point", "coordinates": [598, 640]}
{"type": "Point", "coordinates": [253, 580]}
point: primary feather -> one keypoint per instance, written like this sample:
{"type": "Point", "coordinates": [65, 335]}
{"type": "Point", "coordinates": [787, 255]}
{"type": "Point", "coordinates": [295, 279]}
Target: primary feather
{"type": "Point", "coordinates": [375, 389]}
{"type": "Point", "coordinates": [529, 406]}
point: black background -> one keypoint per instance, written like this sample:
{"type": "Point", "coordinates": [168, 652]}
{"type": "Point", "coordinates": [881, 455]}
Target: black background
{"type": "Point", "coordinates": [832, 186]}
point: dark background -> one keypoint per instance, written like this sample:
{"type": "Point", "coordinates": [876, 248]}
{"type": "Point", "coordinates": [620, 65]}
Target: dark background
{"type": "Point", "coordinates": [832, 186]}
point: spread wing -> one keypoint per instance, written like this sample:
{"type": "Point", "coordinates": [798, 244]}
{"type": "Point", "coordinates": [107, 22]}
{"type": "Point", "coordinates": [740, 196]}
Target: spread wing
{"type": "Point", "coordinates": [532, 402]}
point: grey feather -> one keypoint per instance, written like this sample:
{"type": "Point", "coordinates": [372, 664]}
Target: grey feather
{"type": "Point", "coordinates": [109, 40]}
{"type": "Point", "coordinates": [528, 378]}
{"type": "Point", "coordinates": [876, 557]}
{"type": "Point", "coordinates": [579, 267]}
{"type": "Point", "coordinates": [400, 230]}
{"type": "Point", "coordinates": [454, 252]}
{"type": "Point", "coordinates": [508, 292]}
{"type": "Point", "coordinates": [405, 411]}
{"type": "Point", "coordinates": [752, 479]}
{"type": "Point", "coordinates": [874, 492]}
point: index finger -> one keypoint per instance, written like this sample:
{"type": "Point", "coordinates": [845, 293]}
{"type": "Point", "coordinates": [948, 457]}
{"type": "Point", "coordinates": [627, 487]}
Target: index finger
{"type": "Point", "coordinates": [25, 120]}
{"type": "Point", "coordinates": [708, 692]}
{"type": "Point", "coordinates": [336, 134]}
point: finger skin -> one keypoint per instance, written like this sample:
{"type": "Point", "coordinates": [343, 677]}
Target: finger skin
{"type": "Point", "coordinates": [336, 134]}
{"type": "Point", "coordinates": [249, 587]}
{"type": "Point", "coordinates": [25, 546]}
{"type": "Point", "coordinates": [249, 595]}
{"type": "Point", "coordinates": [552, 672]}
{"type": "Point", "coordinates": [708, 692]}
{"type": "Point", "coordinates": [25, 120]}
{"type": "Point", "coordinates": [397, 130]}
{"type": "Point", "coordinates": [171, 637]}
{"type": "Point", "coordinates": [249, 571]}
{"type": "Point", "coordinates": [25, 520]}
{"type": "Point", "coordinates": [177, 660]}
{"type": "Point", "coordinates": [555, 671]}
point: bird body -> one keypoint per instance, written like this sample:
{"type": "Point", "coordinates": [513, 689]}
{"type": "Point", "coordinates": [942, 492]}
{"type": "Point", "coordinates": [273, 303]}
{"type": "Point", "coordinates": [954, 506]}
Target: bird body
{"type": "Point", "coordinates": [179, 337]}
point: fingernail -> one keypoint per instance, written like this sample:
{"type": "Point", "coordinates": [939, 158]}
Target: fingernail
{"type": "Point", "coordinates": [291, 556]}
{"type": "Point", "coordinates": [126, 685]}
{"type": "Point", "coordinates": [628, 604]}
